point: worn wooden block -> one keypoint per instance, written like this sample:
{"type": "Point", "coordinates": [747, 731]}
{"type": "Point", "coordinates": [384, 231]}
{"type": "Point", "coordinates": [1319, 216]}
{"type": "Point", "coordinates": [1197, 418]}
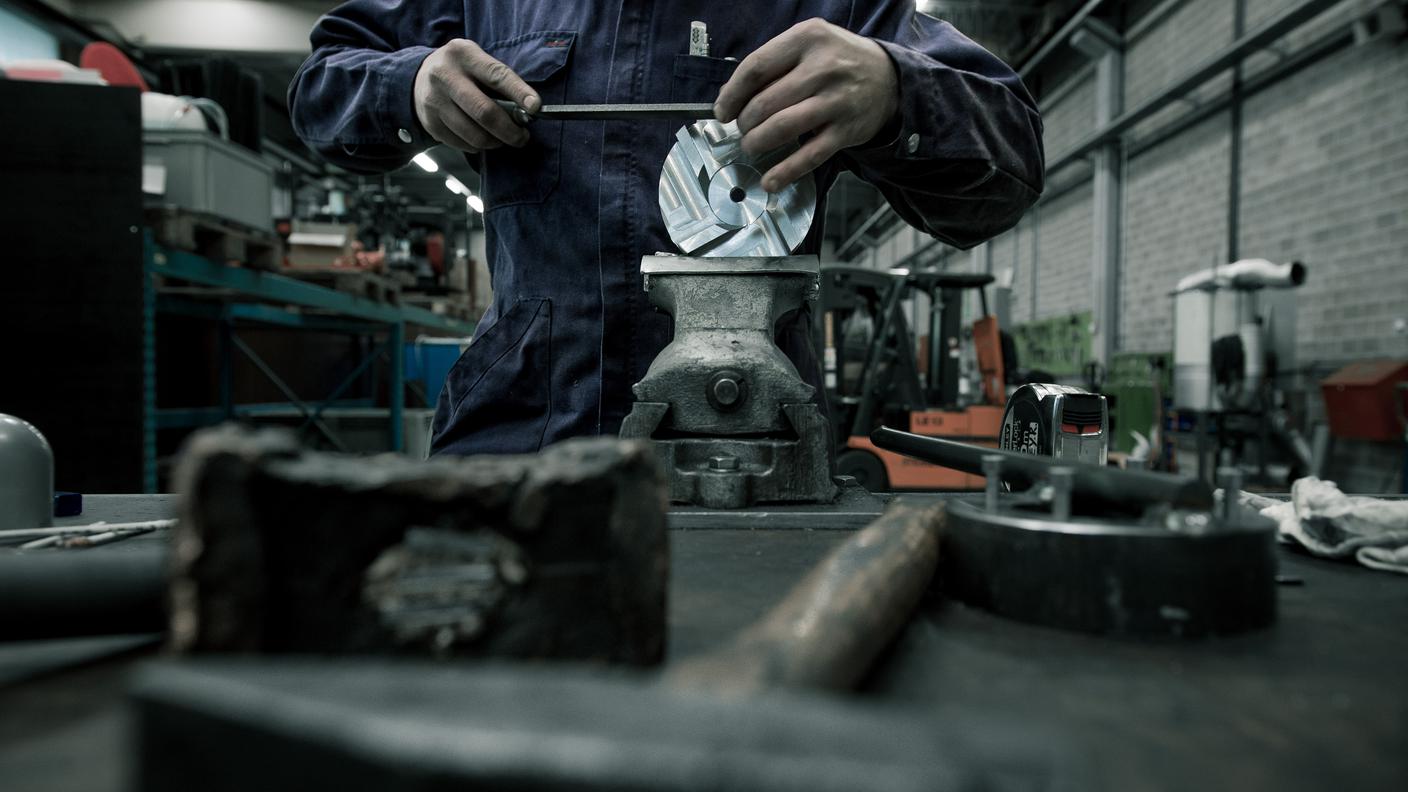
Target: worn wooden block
{"type": "Point", "coordinates": [561, 554]}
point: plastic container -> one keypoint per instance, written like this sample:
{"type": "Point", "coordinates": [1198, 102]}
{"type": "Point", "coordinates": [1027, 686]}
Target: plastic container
{"type": "Point", "coordinates": [1359, 399]}
{"type": "Point", "coordinates": [212, 176]}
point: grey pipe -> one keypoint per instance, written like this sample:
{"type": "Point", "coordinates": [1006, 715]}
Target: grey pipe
{"type": "Point", "coordinates": [1244, 275]}
{"type": "Point", "coordinates": [54, 594]}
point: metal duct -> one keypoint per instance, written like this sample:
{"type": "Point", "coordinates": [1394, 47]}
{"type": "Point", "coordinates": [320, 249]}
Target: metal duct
{"type": "Point", "coordinates": [1245, 275]}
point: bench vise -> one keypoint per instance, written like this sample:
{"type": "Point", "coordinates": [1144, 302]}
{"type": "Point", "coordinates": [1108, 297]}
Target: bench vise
{"type": "Point", "coordinates": [730, 417]}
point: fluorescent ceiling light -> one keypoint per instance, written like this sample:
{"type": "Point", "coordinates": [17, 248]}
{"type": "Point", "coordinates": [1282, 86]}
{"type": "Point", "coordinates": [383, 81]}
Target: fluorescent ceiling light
{"type": "Point", "coordinates": [425, 162]}
{"type": "Point", "coordinates": [456, 186]}
{"type": "Point", "coordinates": [476, 203]}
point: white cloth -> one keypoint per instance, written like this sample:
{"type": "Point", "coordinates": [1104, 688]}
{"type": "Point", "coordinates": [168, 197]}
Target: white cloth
{"type": "Point", "coordinates": [1329, 523]}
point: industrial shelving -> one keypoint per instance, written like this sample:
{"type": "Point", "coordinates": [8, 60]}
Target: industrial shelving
{"type": "Point", "coordinates": [235, 297]}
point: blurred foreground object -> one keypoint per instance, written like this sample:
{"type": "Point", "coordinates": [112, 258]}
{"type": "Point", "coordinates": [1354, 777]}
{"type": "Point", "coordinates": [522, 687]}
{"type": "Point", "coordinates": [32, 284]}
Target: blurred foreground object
{"type": "Point", "coordinates": [560, 554]}
{"type": "Point", "coordinates": [731, 718]}
{"type": "Point", "coordinates": [26, 476]}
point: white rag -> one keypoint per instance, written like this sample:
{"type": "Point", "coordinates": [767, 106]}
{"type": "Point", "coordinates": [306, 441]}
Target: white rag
{"type": "Point", "coordinates": [1329, 523]}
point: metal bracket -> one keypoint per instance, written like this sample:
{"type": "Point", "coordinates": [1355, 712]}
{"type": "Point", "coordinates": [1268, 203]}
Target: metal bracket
{"type": "Point", "coordinates": [733, 472]}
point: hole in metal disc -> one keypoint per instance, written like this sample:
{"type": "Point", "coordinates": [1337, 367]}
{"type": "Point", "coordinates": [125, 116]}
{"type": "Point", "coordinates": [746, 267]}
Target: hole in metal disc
{"type": "Point", "coordinates": [737, 194]}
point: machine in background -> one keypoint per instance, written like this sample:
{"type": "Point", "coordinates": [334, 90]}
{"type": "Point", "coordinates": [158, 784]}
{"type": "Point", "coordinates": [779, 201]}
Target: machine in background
{"type": "Point", "coordinates": [1225, 366]}
{"type": "Point", "coordinates": [875, 374]}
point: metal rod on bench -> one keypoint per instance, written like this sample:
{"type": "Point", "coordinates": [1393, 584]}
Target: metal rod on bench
{"type": "Point", "coordinates": [1094, 486]}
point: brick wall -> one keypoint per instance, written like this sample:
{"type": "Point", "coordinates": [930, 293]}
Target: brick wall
{"type": "Point", "coordinates": [1068, 121]}
{"type": "Point", "coordinates": [1013, 252]}
{"type": "Point", "coordinates": [1259, 11]}
{"type": "Point", "coordinates": [1062, 273]}
{"type": "Point", "coordinates": [1324, 180]}
{"type": "Point", "coordinates": [1175, 222]}
{"type": "Point", "coordinates": [1198, 30]}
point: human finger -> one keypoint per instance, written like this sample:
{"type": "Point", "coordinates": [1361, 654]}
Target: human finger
{"type": "Point", "coordinates": [495, 75]}
{"type": "Point", "coordinates": [786, 91]}
{"type": "Point", "coordinates": [484, 111]}
{"type": "Point", "coordinates": [761, 67]}
{"type": "Point", "coordinates": [787, 125]}
{"type": "Point", "coordinates": [812, 155]}
{"type": "Point", "coordinates": [444, 134]}
{"type": "Point", "coordinates": [468, 130]}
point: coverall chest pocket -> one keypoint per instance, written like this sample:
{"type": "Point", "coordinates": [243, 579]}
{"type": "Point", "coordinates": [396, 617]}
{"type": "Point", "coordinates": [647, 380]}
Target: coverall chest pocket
{"type": "Point", "coordinates": [529, 174]}
{"type": "Point", "coordinates": [698, 78]}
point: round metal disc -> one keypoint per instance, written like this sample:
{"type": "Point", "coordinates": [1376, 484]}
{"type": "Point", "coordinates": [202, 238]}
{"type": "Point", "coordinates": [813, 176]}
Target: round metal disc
{"type": "Point", "coordinates": [713, 201]}
{"type": "Point", "coordinates": [1179, 576]}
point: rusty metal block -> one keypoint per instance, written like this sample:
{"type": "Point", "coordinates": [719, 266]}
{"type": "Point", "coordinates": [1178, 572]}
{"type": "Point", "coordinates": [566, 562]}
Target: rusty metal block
{"type": "Point", "coordinates": [561, 554]}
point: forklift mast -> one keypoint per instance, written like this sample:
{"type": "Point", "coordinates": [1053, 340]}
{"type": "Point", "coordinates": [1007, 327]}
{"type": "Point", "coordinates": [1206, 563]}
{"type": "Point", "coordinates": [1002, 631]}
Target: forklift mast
{"type": "Point", "coordinates": [945, 291]}
{"type": "Point", "coordinates": [889, 378]}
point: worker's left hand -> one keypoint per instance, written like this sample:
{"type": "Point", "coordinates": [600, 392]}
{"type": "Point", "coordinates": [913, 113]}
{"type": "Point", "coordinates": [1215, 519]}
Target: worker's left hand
{"type": "Point", "coordinates": [815, 78]}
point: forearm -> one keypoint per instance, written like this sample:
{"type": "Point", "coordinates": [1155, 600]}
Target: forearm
{"type": "Point", "coordinates": [352, 99]}
{"type": "Point", "coordinates": [962, 160]}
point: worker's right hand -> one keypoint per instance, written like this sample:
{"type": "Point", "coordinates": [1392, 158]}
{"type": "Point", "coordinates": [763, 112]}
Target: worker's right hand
{"type": "Point", "coordinates": [454, 98]}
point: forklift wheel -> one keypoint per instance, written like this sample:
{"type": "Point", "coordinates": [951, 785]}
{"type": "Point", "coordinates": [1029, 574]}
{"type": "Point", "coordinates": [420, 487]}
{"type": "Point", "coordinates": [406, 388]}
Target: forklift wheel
{"type": "Point", "coordinates": [865, 467]}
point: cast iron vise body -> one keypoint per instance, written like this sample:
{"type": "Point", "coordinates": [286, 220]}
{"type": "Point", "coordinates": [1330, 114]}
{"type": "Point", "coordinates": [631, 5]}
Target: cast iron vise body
{"type": "Point", "coordinates": [731, 419]}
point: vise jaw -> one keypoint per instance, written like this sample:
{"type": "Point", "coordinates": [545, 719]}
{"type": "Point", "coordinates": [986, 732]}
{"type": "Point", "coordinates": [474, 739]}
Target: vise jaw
{"type": "Point", "coordinates": [730, 418]}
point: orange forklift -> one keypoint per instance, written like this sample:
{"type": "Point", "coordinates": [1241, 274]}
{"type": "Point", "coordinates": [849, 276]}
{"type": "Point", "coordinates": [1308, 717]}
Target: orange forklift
{"type": "Point", "coordinates": [875, 373]}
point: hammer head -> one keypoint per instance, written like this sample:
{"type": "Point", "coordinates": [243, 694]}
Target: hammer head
{"type": "Point", "coordinates": [284, 725]}
{"type": "Point", "coordinates": [559, 554]}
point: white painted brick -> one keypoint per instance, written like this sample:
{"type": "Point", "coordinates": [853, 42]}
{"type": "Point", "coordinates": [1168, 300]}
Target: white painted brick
{"type": "Point", "coordinates": [1325, 180]}
{"type": "Point", "coordinates": [1195, 32]}
{"type": "Point", "coordinates": [1175, 222]}
{"type": "Point", "coordinates": [1062, 277]}
{"type": "Point", "coordinates": [1259, 11]}
{"type": "Point", "coordinates": [1068, 121]}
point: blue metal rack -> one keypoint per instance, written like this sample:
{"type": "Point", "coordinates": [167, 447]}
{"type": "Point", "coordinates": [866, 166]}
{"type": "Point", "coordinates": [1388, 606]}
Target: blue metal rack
{"type": "Point", "coordinates": [255, 297]}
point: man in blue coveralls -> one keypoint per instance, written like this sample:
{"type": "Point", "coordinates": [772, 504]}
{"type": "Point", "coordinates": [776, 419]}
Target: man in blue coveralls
{"type": "Point", "coordinates": [942, 128]}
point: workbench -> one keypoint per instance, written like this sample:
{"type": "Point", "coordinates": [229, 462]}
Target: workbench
{"type": "Point", "coordinates": [1319, 701]}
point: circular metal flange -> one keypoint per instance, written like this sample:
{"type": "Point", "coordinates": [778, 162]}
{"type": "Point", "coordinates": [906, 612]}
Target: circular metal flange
{"type": "Point", "coordinates": [713, 201]}
{"type": "Point", "coordinates": [1186, 577]}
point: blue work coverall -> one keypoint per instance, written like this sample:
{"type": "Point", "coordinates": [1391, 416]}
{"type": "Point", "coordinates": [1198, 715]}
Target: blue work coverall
{"type": "Point", "coordinates": [569, 216]}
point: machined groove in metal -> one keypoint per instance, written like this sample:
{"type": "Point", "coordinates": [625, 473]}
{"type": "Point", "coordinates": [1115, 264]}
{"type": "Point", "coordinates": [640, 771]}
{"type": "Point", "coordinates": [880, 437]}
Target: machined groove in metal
{"type": "Point", "coordinates": [713, 201]}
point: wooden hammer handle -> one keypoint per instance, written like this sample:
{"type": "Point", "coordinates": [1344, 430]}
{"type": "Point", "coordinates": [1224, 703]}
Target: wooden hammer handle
{"type": "Point", "coordinates": [830, 627]}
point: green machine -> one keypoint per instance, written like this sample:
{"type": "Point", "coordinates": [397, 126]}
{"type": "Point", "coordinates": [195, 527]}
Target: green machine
{"type": "Point", "coordinates": [1137, 384]}
{"type": "Point", "coordinates": [1059, 346]}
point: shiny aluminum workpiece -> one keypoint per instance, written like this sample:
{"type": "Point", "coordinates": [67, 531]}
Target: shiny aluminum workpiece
{"type": "Point", "coordinates": [713, 201]}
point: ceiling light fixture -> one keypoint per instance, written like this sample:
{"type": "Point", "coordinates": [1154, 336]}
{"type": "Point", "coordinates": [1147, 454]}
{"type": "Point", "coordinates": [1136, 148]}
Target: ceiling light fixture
{"type": "Point", "coordinates": [425, 162]}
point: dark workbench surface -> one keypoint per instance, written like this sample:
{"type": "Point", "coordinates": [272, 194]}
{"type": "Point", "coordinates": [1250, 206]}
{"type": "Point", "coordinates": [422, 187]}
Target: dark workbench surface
{"type": "Point", "coordinates": [1318, 701]}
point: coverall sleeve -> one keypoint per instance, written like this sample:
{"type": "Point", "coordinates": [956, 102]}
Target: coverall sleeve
{"type": "Point", "coordinates": [963, 159]}
{"type": "Point", "coordinates": [352, 99]}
